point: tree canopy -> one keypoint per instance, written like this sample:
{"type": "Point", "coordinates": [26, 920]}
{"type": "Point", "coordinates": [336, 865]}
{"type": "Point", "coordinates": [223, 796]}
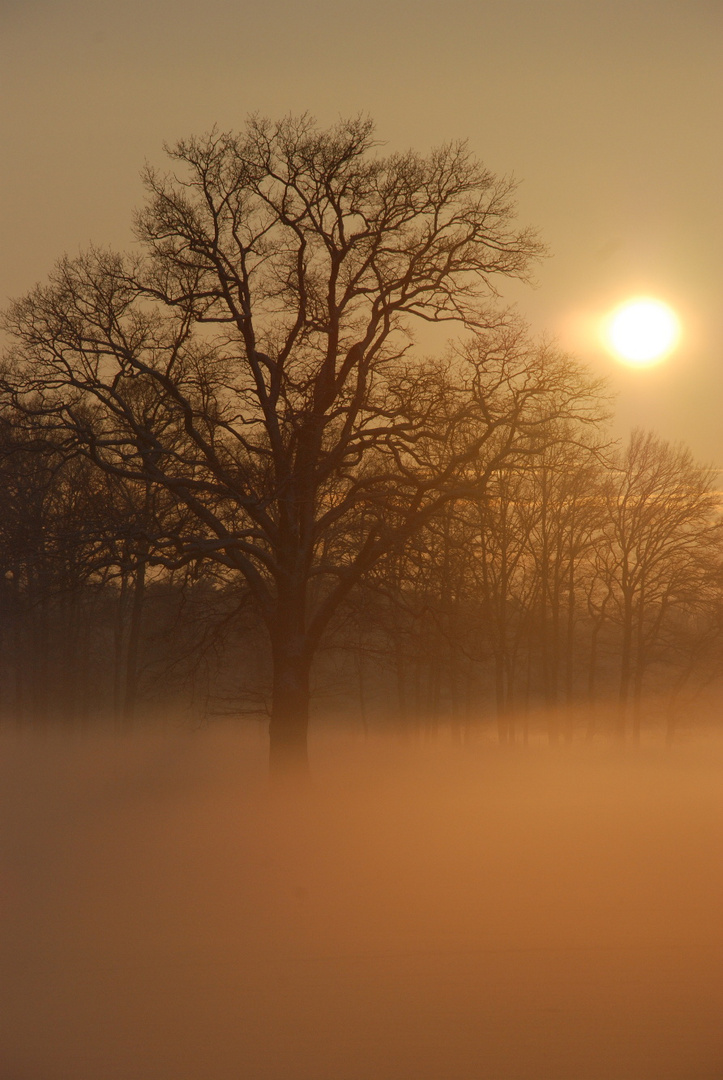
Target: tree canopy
{"type": "Point", "coordinates": [256, 363]}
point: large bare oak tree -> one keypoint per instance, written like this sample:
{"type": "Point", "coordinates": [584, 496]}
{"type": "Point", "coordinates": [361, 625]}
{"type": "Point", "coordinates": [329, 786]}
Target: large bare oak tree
{"type": "Point", "coordinates": [256, 362]}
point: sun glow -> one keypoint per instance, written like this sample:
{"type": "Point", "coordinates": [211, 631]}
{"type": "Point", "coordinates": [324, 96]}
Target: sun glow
{"type": "Point", "coordinates": [642, 331]}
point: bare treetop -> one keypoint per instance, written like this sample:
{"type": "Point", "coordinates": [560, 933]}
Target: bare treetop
{"type": "Point", "coordinates": [299, 236]}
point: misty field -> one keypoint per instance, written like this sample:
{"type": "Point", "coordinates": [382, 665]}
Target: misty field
{"type": "Point", "coordinates": [429, 910]}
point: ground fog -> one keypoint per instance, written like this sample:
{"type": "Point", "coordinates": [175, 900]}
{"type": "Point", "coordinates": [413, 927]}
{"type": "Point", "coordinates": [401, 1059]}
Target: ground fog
{"type": "Point", "coordinates": [427, 911]}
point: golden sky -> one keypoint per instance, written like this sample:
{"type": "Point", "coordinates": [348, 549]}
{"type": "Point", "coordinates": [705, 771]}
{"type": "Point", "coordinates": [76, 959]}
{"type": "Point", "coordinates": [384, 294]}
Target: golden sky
{"type": "Point", "coordinates": [609, 114]}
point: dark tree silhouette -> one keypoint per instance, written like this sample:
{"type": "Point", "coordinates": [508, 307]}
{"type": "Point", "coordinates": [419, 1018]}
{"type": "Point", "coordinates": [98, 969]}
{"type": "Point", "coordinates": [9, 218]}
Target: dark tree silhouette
{"type": "Point", "coordinates": [661, 552]}
{"type": "Point", "coordinates": [256, 364]}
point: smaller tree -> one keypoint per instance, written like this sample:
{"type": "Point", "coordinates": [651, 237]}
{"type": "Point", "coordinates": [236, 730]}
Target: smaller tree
{"type": "Point", "coordinates": [661, 521]}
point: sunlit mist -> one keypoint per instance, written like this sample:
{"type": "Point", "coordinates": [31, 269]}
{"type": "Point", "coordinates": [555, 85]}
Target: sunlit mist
{"type": "Point", "coordinates": [434, 909]}
{"type": "Point", "coordinates": [642, 331]}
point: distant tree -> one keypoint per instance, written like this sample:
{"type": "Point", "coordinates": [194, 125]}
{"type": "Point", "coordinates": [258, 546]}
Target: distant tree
{"type": "Point", "coordinates": [566, 515]}
{"type": "Point", "coordinates": [50, 560]}
{"type": "Point", "coordinates": [504, 578]}
{"type": "Point", "coordinates": [660, 553]}
{"type": "Point", "coordinates": [255, 365]}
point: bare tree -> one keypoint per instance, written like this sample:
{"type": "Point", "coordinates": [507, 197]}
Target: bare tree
{"type": "Point", "coordinates": [255, 363]}
{"type": "Point", "coordinates": [504, 578]}
{"type": "Point", "coordinates": [661, 522]}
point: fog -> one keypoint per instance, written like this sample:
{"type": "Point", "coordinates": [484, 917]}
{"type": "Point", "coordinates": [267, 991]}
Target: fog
{"type": "Point", "coordinates": [427, 910]}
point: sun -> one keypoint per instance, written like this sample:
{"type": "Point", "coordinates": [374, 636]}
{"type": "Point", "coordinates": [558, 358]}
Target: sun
{"type": "Point", "coordinates": [642, 331]}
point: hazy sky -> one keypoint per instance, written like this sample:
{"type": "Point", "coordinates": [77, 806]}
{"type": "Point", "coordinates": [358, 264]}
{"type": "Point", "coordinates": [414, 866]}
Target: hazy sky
{"type": "Point", "coordinates": [608, 113]}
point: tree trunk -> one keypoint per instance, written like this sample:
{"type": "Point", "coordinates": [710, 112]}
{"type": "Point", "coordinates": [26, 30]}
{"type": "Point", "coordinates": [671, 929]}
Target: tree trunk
{"type": "Point", "coordinates": [625, 669]}
{"type": "Point", "coordinates": [19, 656]}
{"type": "Point", "coordinates": [288, 729]}
{"type": "Point", "coordinates": [501, 700]}
{"type": "Point", "coordinates": [360, 670]}
{"type": "Point", "coordinates": [119, 645]}
{"type": "Point", "coordinates": [638, 693]}
{"type": "Point", "coordinates": [70, 621]}
{"type": "Point", "coordinates": [134, 638]}
{"type": "Point", "coordinates": [401, 679]}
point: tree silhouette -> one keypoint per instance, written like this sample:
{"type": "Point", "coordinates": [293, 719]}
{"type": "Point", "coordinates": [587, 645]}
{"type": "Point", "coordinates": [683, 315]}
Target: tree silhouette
{"type": "Point", "coordinates": [662, 541]}
{"type": "Point", "coordinates": [256, 364]}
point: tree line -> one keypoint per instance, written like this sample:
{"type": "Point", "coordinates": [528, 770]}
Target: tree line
{"type": "Point", "coordinates": [232, 479]}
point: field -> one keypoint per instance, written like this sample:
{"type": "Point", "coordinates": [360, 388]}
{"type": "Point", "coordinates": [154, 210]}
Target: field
{"type": "Point", "coordinates": [427, 911]}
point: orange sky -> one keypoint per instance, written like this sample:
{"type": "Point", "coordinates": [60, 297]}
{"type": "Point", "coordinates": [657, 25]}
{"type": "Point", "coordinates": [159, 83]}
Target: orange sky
{"type": "Point", "coordinates": [610, 115]}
